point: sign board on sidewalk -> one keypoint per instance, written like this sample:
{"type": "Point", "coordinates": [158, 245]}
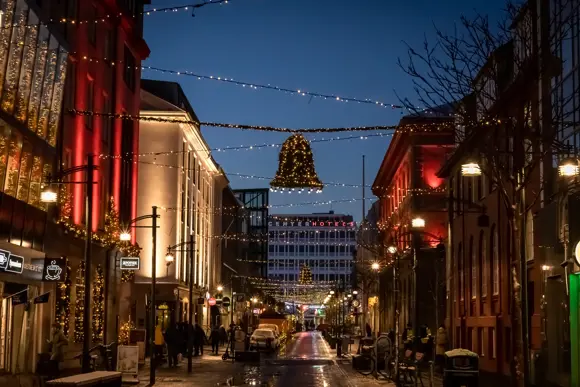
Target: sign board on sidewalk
{"type": "Point", "coordinates": [226, 301]}
{"type": "Point", "coordinates": [128, 362]}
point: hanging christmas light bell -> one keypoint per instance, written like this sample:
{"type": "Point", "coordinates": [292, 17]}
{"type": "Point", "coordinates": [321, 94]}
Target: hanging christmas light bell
{"type": "Point", "coordinates": [296, 166]}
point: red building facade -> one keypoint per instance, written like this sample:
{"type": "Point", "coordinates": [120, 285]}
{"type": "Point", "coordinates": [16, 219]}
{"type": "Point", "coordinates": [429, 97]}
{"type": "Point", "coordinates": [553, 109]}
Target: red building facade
{"type": "Point", "coordinates": [104, 76]}
{"type": "Point", "coordinates": [408, 188]}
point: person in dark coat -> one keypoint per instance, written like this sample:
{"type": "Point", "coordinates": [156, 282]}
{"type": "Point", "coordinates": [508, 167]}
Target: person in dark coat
{"type": "Point", "coordinates": [214, 337]}
{"type": "Point", "coordinates": [173, 341]}
{"type": "Point", "coordinates": [223, 336]}
{"type": "Point", "coordinates": [199, 339]}
{"type": "Point", "coordinates": [368, 330]}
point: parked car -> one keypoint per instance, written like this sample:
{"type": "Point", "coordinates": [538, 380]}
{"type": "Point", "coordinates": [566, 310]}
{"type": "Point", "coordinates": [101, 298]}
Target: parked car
{"type": "Point", "coordinates": [263, 338]}
{"type": "Point", "coordinates": [272, 327]}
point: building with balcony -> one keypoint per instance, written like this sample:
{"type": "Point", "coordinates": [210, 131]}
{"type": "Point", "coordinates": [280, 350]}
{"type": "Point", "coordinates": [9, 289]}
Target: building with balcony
{"type": "Point", "coordinates": [187, 186]}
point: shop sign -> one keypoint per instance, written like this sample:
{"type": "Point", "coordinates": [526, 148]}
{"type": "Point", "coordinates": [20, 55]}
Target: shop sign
{"type": "Point", "coordinates": [314, 223]}
{"type": "Point", "coordinates": [211, 301]}
{"type": "Point", "coordinates": [15, 264]}
{"type": "Point", "coordinates": [226, 301]}
{"type": "Point", "coordinates": [129, 263]}
{"type": "Point", "coordinates": [20, 298]}
{"type": "Point", "coordinates": [256, 311]}
{"type": "Point", "coordinates": [4, 255]}
{"type": "Point", "coordinates": [54, 269]}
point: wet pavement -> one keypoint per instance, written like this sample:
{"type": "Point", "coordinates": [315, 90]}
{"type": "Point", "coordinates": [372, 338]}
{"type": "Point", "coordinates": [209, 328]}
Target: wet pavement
{"type": "Point", "coordinates": [305, 361]}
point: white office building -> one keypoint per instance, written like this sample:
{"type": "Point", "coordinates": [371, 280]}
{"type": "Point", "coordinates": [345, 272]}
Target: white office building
{"type": "Point", "coordinates": [323, 241]}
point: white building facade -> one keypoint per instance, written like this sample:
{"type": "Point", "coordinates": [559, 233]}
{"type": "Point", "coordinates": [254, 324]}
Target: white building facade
{"type": "Point", "coordinates": [187, 187]}
{"type": "Point", "coordinates": [324, 242]}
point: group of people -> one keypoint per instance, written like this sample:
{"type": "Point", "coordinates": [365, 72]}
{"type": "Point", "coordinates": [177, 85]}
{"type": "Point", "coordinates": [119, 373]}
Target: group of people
{"type": "Point", "coordinates": [185, 339]}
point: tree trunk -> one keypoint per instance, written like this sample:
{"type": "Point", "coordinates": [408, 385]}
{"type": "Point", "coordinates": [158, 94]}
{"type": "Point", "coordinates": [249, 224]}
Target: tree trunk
{"type": "Point", "coordinates": [517, 363]}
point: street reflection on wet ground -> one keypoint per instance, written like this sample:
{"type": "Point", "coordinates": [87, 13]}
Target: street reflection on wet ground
{"type": "Point", "coordinates": [306, 361]}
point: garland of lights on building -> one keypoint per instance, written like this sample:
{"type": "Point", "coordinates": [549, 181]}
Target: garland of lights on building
{"type": "Point", "coordinates": [79, 304]}
{"type": "Point", "coordinates": [98, 304]}
{"type": "Point", "coordinates": [63, 301]}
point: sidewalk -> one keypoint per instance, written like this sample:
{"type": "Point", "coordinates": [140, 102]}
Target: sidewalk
{"type": "Point", "coordinates": [208, 370]}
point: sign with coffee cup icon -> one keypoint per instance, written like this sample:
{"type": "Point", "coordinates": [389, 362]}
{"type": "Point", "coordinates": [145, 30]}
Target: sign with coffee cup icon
{"type": "Point", "coordinates": [54, 270]}
{"type": "Point", "coordinates": [129, 263]}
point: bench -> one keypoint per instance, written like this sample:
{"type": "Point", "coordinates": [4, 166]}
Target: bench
{"type": "Point", "coordinates": [98, 378]}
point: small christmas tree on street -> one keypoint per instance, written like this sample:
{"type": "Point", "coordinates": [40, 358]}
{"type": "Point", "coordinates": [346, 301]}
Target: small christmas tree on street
{"type": "Point", "coordinates": [296, 165]}
{"type": "Point", "coordinates": [112, 229]}
{"type": "Point", "coordinates": [305, 277]}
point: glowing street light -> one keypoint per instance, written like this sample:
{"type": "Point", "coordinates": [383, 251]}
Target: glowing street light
{"type": "Point", "coordinates": [569, 167]}
{"type": "Point", "coordinates": [418, 222]}
{"type": "Point", "coordinates": [331, 292]}
{"type": "Point", "coordinates": [470, 169]}
{"type": "Point", "coordinates": [169, 258]}
{"type": "Point", "coordinates": [375, 266]}
{"type": "Point", "coordinates": [392, 249]}
{"type": "Point", "coordinates": [125, 236]}
{"type": "Point", "coordinates": [48, 196]}
{"type": "Point", "coordinates": [220, 288]}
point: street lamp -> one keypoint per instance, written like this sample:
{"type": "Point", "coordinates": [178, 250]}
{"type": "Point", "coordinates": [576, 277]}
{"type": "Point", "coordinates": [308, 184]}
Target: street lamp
{"type": "Point", "coordinates": [49, 196]}
{"type": "Point", "coordinates": [391, 249]}
{"type": "Point", "coordinates": [331, 292]}
{"type": "Point", "coordinates": [355, 292]}
{"type": "Point", "coordinates": [470, 169]}
{"type": "Point", "coordinates": [569, 167]}
{"type": "Point", "coordinates": [418, 222]}
{"type": "Point", "coordinates": [220, 288]}
{"type": "Point", "coordinates": [375, 266]}
{"type": "Point", "coordinates": [123, 237]}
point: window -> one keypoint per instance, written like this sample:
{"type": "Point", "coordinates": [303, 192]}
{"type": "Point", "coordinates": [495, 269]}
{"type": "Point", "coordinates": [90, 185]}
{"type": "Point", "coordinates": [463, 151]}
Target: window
{"type": "Point", "coordinates": [529, 236]}
{"type": "Point", "coordinates": [483, 263]}
{"type": "Point", "coordinates": [492, 343]}
{"type": "Point", "coordinates": [480, 346]}
{"type": "Point", "coordinates": [473, 269]}
{"type": "Point", "coordinates": [495, 260]}
{"type": "Point", "coordinates": [90, 102]}
{"type": "Point", "coordinates": [129, 69]}
{"type": "Point", "coordinates": [92, 27]}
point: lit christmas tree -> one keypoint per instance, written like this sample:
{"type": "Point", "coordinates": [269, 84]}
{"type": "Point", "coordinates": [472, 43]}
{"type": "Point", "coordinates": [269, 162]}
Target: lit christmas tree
{"type": "Point", "coordinates": [305, 277]}
{"type": "Point", "coordinates": [79, 303]}
{"type": "Point", "coordinates": [110, 237]}
{"type": "Point", "coordinates": [296, 165]}
{"type": "Point", "coordinates": [63, 302]}
{"type": "Point", "coordinates": [98, 304]}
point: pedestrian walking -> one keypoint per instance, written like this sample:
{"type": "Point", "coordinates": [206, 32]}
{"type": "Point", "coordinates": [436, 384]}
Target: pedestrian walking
{"type": "Point", "coordinates": [214, 337]}
{"type": "Point", "coordinates": [223, 336]}
{"type": "Point", "coordinates": [57, 342]}
{"type": "Point", "coordinates": [172, 339]}
{"type": "Point", "coordinates": [408, 337]}
{"type": "Point", "coordinates": [199, 339]}
{"type": "Point", "coordinates": [440, 346]}
{"type": "Point", "coordinates": [368, 330]}
{"type": "Point", "coordinates": [159, 343]}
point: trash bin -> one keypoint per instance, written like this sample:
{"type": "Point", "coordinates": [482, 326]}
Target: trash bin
{"type": "Point", "coordinates": [461, 369]}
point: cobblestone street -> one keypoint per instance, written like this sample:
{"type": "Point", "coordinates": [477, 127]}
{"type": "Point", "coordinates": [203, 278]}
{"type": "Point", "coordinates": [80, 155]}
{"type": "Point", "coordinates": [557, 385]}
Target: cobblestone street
{"type": "Point", "coordinates": [306, 362]}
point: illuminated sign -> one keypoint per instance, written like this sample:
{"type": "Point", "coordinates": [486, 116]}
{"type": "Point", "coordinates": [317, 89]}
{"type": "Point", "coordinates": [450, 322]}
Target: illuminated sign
{"type": "Point", "coordinates": [129, 263]}
{"type": "Point", "coordinates": [15, 264]}
{"type": "Point", "coordinates": [54, 269]}
{"type": "Point", "coordinates": [4, 258]}
{"type": "Point", "coordinates": [313, 223]}
{"type": "Point", "coordinates": [577, 253]}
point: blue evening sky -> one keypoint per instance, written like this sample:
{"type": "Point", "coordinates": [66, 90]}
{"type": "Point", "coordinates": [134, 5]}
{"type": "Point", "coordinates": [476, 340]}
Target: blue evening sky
{"type": "Point", "coordinates": [343, 47]}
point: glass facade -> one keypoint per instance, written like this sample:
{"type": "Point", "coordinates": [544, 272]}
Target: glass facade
{"type": "Point", "coordinates": [32, 75]}
{"type": "Point", "coordinates": [32, 71]}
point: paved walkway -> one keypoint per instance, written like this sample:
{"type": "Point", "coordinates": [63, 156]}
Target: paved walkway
{"type": "Point", "coordinates": [306, 361]}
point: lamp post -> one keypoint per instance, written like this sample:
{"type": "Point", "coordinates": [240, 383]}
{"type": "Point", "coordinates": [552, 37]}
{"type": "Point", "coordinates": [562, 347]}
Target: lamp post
{"type": "Point", "coordinates": [49, 196]}
{"type": "Point", "coordinates": [125, 236]}
{"type": "Point", "coordinates": [417, 223]}
{"type": "Point", "coordinates": [191, 250]}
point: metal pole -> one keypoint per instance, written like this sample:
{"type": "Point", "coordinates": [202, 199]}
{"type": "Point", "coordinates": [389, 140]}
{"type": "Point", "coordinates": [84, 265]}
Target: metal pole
{"type": "Point", "coordinates": [152, 308]}
{"type": "Point", "coordinates": [190, 315]}
{"type": "Point", "coordinates": [414, 288]}
{"type": "Point", "coordinates": [232, 299]}
{"type": "Point", "coordinates": [396, 307]}
{"type": "Point", "coordinates": [89, 232]}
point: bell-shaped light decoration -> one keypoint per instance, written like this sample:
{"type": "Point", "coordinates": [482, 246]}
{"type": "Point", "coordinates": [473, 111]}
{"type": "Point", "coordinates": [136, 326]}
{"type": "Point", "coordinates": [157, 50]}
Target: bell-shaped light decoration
{"type": "Point", "coordinates": [569, 167]}
{"type": "Point", "coordinates": [296, 165]}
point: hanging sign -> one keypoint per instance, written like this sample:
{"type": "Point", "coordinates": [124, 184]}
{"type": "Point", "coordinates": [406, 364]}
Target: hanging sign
{"type": "Point", "coordinates": [226, 301]}
{"type": "Point", "coordinates": [15, 264]}
{"type": "Point", "coordinates": [54, 269]}
{"type": "Point", "coordinates": [4, 255]}
{"type": "Point", "coordinates": [129, 263]}
{"type": "Point", "coordinates": [211, 301]}
{"type": "Point", "coordinates": [20, 298]}
{"type": "Point", "coordinates": [42, 299]}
